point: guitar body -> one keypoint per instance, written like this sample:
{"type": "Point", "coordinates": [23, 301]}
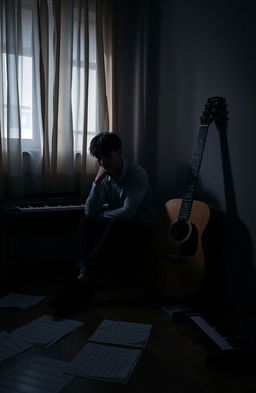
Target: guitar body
{"type": "Point", "coordinates": [182, 262]}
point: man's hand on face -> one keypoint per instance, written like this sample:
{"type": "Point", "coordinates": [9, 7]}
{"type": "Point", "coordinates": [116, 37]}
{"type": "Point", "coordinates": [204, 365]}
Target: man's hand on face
{"type": "Point", "coordinates": [100, 175]}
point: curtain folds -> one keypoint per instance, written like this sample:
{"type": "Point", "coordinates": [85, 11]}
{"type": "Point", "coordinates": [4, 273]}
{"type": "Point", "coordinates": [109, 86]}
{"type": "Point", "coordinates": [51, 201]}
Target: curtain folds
{"type": "Point", "coordinates": [57, 90]}
{"type": "Point", "coordinates": [138, 62]}
{"type": "Point", "coordinates": [134, 54]}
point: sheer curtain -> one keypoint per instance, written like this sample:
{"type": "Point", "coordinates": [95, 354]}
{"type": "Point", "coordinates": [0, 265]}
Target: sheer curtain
{"type": "Point", "coordinates": [56, 92]}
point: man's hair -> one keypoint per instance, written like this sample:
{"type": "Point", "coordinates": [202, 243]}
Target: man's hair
{"type": "Point", "coordinates": [103, 143]}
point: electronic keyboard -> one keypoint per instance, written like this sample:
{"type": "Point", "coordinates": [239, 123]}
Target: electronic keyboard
{"type": "Point", "coordinates": [47, 205]}
{"type": "Point", "coordinates": [48, 208]}
{"type": "Point", "coordinates": [222, 334]}
{"type": "Point", "coordinates": [229, 339]}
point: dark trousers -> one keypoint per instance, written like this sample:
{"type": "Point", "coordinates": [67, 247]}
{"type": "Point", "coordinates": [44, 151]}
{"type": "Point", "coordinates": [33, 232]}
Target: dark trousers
{"type": "Point", "coordinates": [111, 245]}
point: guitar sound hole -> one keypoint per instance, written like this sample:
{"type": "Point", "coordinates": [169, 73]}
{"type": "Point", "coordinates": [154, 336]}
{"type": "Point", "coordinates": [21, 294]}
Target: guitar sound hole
{"type": "Point", "coordinates": [189, 247]}
{"type": "Point", "coordinates": [180, 230]}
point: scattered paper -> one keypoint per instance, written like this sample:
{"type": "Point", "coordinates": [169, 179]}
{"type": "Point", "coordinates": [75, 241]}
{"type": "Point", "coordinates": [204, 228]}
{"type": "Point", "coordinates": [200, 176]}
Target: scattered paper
{"type": "Point", "coordinates": [45, 330]}
{"type": "Point", "coordinates": [38, 375]}
{"type": "Point", "coordinates": [105, 363]}
{"type": "Point", "coordinates": [122, 333]}
{"type": "Point", "coordinates": [18, 300]}
{"type": "Point", "coordinates": [10, 346]}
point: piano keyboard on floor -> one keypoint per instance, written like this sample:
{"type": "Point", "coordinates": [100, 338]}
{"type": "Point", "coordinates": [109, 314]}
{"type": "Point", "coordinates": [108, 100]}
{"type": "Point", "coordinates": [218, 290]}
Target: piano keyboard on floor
{"type": "Point", "coordinates": [220, 333]}
{"type": "Point", "coordinates": [229, 340]}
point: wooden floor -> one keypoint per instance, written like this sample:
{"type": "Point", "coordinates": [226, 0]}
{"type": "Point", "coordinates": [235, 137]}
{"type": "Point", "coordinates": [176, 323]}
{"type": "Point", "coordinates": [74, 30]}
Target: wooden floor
{"type": "Point", "coordinates": [174, 360]}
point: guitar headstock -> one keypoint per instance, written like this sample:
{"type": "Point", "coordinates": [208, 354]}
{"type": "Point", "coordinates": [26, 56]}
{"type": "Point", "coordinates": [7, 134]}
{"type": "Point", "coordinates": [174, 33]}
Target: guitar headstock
{"type": "Point", "coordinates": [215, 110]}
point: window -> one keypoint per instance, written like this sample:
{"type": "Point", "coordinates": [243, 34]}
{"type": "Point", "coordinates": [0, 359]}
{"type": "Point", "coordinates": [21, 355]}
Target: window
{"type": "Point", "coordinates": [23, 119]}
{"type": "Point", "coordinates": [54, 93]}
{"type": "Point", "coordinates": [24, 103]}
{"type": "Point", "coordinates": [78, 93]}
{"type": "Point", "coordinates": [20, 106]}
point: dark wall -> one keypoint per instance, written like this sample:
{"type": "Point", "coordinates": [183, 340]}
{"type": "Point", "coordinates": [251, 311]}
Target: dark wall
{"type": "Point", "coordinates": [205, 49]}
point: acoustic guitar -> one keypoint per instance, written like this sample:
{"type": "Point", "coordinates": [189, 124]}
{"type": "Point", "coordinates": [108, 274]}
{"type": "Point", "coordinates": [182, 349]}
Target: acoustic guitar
{"type": "Point", "coordinates": [183, 224]}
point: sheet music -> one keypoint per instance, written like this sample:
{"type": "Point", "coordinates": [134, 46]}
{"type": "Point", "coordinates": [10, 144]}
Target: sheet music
{"type": "Point", "coordinates": [45, 330]}
{"type": "Point", "coordinates": [105, 363]}
{"type": "Point", "coordinates": [18, 300]}
{"type": "Point", "coordinates": [39, 375]}
{"type": "Point", "coordinates": [122, 333]}
{"type": "Point", "coordinates": [10, 346]}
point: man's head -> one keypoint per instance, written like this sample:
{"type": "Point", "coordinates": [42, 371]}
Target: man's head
{"type": "Point", "coordinates": [103, 143]}
{"type": "Point", "coordinates": [107, 148]}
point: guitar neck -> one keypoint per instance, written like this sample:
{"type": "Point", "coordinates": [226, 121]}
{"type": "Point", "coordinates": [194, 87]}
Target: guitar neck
{"type": "Point", "coordinates": [192, 179]}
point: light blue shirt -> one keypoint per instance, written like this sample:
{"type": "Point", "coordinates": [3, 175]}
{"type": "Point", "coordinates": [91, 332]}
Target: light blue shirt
{"type": "Point", "coordinates": [129, 198]}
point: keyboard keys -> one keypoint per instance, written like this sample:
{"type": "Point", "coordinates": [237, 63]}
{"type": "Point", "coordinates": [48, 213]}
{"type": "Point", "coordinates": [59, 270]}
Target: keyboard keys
{"type": "Point", "coordinates": [211, 332]}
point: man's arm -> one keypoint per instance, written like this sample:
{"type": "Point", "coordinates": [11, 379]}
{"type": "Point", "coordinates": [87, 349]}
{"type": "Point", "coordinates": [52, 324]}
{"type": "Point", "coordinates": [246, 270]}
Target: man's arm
{"type": "Point", "coordinates": [97, 195]}
{"type": "Point", "coordinates": [100, 175]}
{"type": "Point", "coordinates": [136, 189]}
